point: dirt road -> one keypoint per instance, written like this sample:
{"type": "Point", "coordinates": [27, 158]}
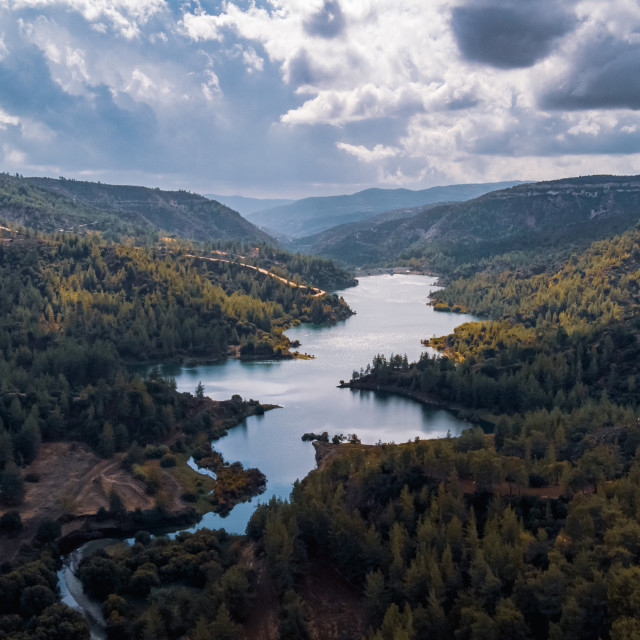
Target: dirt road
{"type": "Point", "coordinates": [319, 292]}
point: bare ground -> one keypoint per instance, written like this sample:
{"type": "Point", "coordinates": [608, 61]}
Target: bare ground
{"type": "Point", "coordinates": [74, 481]}
{"type": "Point", "coordinates": [334, 605]}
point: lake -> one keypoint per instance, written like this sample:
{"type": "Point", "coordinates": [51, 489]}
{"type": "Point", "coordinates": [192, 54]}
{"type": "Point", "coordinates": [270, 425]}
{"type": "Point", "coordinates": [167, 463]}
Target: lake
{"type": "Point", "coordinates": [391, 317]}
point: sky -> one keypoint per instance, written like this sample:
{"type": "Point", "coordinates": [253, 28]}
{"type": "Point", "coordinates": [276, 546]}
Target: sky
{"type": "Point", "coordinates": [294, 98]}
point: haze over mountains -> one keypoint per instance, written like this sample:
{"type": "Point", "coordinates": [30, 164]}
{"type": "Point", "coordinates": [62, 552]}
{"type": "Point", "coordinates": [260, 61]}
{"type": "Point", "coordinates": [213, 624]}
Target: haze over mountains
{"type": "Point", "coordinates": [567, 212]}
{"type": "Point", "coordinates": [312, 215]}
{"type": "Point", "coordinates": [245, 206]}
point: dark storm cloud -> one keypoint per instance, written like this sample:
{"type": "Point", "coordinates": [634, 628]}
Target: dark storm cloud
{"type": "Point", "coordinates": [328, 22]}
{"type": "Point", "coordinates": [604, 75]}
{"type": "Point", "coordinates": [28, 88]}
{"type": "Point", "coordinates": [509, 35]}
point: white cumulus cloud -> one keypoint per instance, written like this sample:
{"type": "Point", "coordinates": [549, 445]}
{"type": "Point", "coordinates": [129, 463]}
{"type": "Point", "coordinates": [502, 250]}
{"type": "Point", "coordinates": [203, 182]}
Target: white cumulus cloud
{"type": "Point", "coordinates": [379, 152]}
{"type": "Point", "coordinates": [126, 16]}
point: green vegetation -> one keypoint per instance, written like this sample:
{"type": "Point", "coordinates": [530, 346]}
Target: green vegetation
{"type": "Point", "coordinates": [440, 538]}
{"type": "Point", "coordinates": [530, 532]}
{"type": "Point", "coordinates": [554, 368]}
{"type": "Point", "coordinates": [167, 588]}
{"type": "Point", "coordinates": [29, 609]}
{"type": "Point", "coordinates": [72, 309]}
{"type": "Point", "coordinates": [74, 312]}
{"type": "Point", "coordinates": [435, 555]}
{"type": "Point", "coordinates": [49, 205]}
{"type": "Point", "coordinates": [534, 223]}
{"type": "Point", "coordinates": [560, 359]}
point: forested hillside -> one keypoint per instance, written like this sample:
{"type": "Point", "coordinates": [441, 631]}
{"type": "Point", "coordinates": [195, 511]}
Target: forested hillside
{"type": "Point", "coordinates": [313, 215]}
{"type": "Point", "coordinates": [51, 205]}
{"type": "Point", "coordinates": [29, 206]}
{"type": "Point", "coordinates": [544, 218]}
{"type": "Point", "coordinates": [74, 310]}
{"type": "Point", "coordinates": [529, 532]}
{"type": "Point", "coordinates": [441, 538]}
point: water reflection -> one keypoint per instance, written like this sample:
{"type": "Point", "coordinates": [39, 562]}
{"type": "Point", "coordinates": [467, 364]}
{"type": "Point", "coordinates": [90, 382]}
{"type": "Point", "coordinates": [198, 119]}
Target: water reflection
{"type": "Point", "coordinates": [391, 317]}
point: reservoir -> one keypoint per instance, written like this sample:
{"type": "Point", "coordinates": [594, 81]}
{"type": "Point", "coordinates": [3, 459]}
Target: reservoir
{"type": "Point", "coordinates": [391, 317]}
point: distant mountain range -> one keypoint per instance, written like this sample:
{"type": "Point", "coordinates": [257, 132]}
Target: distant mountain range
{"type": "Point", "coordinates": [568, 213]}
{"type": "Point", "coordinates": [246, 206]}
{"type": "Point", "coordinates": [50, 205]}
{"type": "Point", "coordinates": [547, 217]}
{"type": "Point", "coordinates": [313, 215]}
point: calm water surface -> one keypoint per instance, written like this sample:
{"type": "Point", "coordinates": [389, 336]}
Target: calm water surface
{"type": "Point", "coordinates": [391, 317]}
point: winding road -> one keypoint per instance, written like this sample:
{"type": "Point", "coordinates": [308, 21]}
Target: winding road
{"type": "Point", "coordinates": [317, 294]}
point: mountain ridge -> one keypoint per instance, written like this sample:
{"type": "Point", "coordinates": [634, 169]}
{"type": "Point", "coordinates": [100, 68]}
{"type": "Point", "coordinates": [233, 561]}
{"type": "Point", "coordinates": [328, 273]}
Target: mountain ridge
{"type": "Point", "coordinates": [548, 213]}
{"type": "Point", "coordinates": [315, 214]}
{"type": "Point", "coordinates": [53, 205]}
{"type": "Point", "coordinates": [245, 205]}
{"type": "Point", "coordinates": [188, 214]}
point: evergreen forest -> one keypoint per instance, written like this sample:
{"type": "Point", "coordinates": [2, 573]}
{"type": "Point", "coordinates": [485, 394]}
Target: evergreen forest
{"type": "Point", "coordinates": [526, 526]}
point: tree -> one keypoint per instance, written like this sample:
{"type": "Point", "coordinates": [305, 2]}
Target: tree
{"type": "Point", "coordinates": [12, 488]}
{"type": "Point", "coordinates": [59, 622]}
{"type": "Point", "coordinates": [375, 597]}
{"type": "Point", "coordinates": [48, 531]}
{"type": "Point", "coordinates": [33, 600]}
{"type": "Point", "coordinates": [223, 627]}
{"type": "Point", "coordinates": [10, 522]}
{"type": "Point", "coordinates": [200, 390]}
{"type": "Point", "coordinates": [293, 619]}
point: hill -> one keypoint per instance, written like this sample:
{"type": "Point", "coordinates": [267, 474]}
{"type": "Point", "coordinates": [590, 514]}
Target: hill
{"type": "Point", "coordinates": [312, 215]}
{"type": "Point", "coordinates": [546, 216]}
{"type": "Point", "coordinates": [49, 205]}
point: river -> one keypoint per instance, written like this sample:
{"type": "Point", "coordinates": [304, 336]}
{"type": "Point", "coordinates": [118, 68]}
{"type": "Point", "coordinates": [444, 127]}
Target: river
{"type": "Point", "coordinates": [391, 317]}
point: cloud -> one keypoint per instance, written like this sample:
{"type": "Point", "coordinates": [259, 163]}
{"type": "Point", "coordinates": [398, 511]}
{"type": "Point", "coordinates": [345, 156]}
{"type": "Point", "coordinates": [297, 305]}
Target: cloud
{"type": "Point", "coordinates": [328, 22]}
{"type": "Point", "coordinates": [510, 34]}
{"type": "Point", "coordinates": [252, 60]}
{"type": "Point", "coordinates": [4, 51]}
{"type": "Point", "coordinates": [597, 68]}
{"type": "Point", "coordinates": [319, 95]}
{"type": "Point", "coordinates": [6, 119]}
{"type": "Point", "coordinates": [126, 16]}
{"type": "Point", "coordinates": [363, 103]}
{"type": "Point", "coordinates": [606, 75]}
{"type": "Point", "coordinates": [79, 62]}
{"type": "Point", "coordinates": [379, 152]}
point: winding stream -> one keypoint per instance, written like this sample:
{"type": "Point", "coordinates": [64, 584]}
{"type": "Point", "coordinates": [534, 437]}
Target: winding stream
{"type": "Point", "coordinates": [391, 317]}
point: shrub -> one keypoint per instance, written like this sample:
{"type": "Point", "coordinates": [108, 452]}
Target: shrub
{"type": "Point", "coordinates": [155, 451]}
{"type": "Point", "coordinates": [48, 531]}
{"type": "Point", "coordinates": [11, 522]}
{"type": "Point", "coordinates": [168, 461]}
{"type": "Point", "coordinates": [536, 480]}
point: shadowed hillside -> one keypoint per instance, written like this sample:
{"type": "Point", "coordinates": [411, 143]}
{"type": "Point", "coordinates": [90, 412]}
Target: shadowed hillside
{"type": "Point", "coordinates": [313, 215]}
{"type": "Point", "coordinates": [551, 215]}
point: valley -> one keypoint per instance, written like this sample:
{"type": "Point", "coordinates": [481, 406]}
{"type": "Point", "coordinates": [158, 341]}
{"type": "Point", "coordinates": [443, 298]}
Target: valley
{"type": "Point", "coordinates": [466, 466]}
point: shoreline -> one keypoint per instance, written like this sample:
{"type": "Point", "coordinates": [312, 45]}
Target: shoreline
{"type": "Point", "coordinates": [366, 272]}
{"type": "Point", "coordinates": [461, 412]}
